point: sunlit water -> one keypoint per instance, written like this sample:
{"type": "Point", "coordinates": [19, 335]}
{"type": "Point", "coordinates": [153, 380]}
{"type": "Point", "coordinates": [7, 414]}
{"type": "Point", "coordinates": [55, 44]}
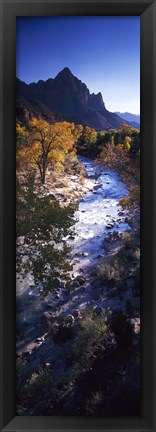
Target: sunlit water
{"type": "Point", "coordinates": [96, 211]}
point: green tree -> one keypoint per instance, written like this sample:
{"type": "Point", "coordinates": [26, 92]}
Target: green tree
{"type": "Point", "coordinates": [44, 224]}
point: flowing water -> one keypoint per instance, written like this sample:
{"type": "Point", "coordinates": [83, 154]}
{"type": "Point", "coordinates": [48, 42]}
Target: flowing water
{"type": "Point", "coordinates": [98, 213]}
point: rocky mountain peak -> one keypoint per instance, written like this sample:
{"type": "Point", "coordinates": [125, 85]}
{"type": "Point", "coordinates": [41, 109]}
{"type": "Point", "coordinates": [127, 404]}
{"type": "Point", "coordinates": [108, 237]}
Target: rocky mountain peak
{"type": "Point", "coordinates": [96, 102]}
{"type": "Point", "coordinates": [70, 97]}
{"type": "Point", "coordinates": [64, 73]}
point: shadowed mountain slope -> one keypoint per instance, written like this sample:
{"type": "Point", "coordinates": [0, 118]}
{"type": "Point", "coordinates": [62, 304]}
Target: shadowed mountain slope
{"type": "Point", "coordinates": [68, 96]}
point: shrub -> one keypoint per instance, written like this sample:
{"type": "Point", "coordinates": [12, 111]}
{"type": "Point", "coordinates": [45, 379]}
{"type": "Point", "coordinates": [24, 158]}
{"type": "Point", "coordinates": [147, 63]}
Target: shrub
{"type": "Point", "coordinates": [62, 333]}
{"type": "Point", "coordinates": [126, 237]}
{"type": "Point", "coordinates": [112, 272]}
{"type": "Point", "coordinates": [39, 392]}
{"type": "Point", "coordinates": [137, 254]}
{"type": "Point", "coordinates": [133, 199]}
{"type": "Point", "coordinates": [94, 402]}
{"type": "Point", "coordinates": [72, 166]}
{"type": "Point", "coordinates": [129, 254]}
{"type": "Point", "coordinates": [123, 202]}
{"type": "Point", "coordinates": [91, 340]}
{"type": "Point", "coordinates": [122, 328]}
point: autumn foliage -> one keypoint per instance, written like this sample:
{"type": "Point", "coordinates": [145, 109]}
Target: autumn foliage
{"type": "Point", "coordinates": [43, 145]}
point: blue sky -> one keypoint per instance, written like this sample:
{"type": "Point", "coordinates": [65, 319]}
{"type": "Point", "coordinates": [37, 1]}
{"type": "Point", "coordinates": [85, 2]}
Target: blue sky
{"type": "Point", "coordinates": [104, 52]}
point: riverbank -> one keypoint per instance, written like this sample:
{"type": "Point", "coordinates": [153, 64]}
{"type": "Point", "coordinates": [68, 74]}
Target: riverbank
{"type": "Point", "coordinates": [48, 326]}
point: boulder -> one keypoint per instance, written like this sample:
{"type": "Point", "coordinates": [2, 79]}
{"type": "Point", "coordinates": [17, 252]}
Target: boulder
{"type": "Point", "coordinates": [39, 339]}
{"type": "Point", "coordinates": [80, 279]}
{"type": "Point", "coordinates": [47, 318]}
{"type": "Point", "coordinates": [69, 319]}
{"type": "Point", "coordinates": [75, 284]}
{"type": "Point", "coordinates": [76, 313]}
{"type": "Point", "coordinates": [96, 187]}
{"type": "Point", "coordinates": [110, 225]}
{"type": "Point", "coordinates": [47, 365]}
{"type": "Point", "coordinates": [85, 254]}
{"type": "Point", "coordinates": [51, 196]}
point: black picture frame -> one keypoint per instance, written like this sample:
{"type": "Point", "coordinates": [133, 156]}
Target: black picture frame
{"type": "Point", "coordinates": [147, 12]}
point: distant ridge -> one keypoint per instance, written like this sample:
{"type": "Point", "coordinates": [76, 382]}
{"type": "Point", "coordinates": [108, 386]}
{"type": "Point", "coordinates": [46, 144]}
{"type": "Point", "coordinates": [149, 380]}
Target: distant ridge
{"type": "Point", "coordinates": [66, 97]}
{"type": "Point", "coordinates": [133, 118]}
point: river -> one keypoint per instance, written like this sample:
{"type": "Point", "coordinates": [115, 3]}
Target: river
{"type": "Point", "coordinates": [98, 214]}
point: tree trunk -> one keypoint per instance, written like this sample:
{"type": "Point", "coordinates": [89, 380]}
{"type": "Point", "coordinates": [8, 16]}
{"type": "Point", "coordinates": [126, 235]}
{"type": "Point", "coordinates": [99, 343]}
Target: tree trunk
{"type": "Point", "coordinates": [43, 179]}
{"type": "Point", "coordinates": [43, 174]}
{"type": "Point", "coordinates": [42, 168]}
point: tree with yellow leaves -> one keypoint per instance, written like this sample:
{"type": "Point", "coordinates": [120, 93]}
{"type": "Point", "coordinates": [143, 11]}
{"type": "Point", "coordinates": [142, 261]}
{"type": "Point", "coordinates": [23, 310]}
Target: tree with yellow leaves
{"type": "Point", "coordinates": [77, 131]}
{"type": "Point", "coordinates": [89, 135]}
{"type": "Point", "coordinates": [21, 135]}
{"type": "Point", "coordinates": [127, 143]}
{"type": "Point", "coordinates": [47, 145]}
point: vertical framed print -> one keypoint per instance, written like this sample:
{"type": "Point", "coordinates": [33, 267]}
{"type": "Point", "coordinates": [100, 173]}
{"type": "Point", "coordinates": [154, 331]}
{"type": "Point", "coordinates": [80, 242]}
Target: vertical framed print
{"type": "Point", "coordinates": [78, 215]}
